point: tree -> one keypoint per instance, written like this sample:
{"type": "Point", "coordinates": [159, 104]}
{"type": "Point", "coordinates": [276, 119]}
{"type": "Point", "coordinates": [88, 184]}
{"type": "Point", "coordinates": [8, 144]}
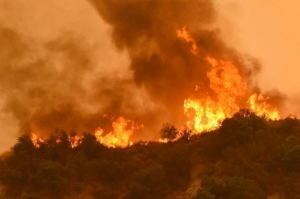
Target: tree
{"type": "Point", "coordinates": [24, 144]}
{"type": "Point", "coordinates": [31, 196]}
{"type": "Point", "coordinates": [203, 194]}
{"type": "Point", "coordinates": [233, 188]}
{"type": "Point", "coordinates": [148, 183]}
{"type": "Point", "coordinates": [105, 192]}
{"type": "Point", "coordinates": [51, 177]}
{"type": "Point", "coordinates": [169, 131]}
{"type": "Point", "coordinates": [240, 129]}
{"type": "Point", "coordinates": [291, 158]}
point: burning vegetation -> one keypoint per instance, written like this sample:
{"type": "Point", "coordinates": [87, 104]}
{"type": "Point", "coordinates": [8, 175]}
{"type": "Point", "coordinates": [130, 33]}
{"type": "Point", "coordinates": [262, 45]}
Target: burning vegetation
{"type": "Point", "coordinates": [233, 143]}
{"type": "Point", "coordinates": [203, 114]}
{"type": "Point", "coordinates": [179, 71]}
{"type": "Point", "coordinates": [247, 157]}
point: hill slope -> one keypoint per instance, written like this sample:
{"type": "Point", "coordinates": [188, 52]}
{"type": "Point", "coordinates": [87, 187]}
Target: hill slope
{"type": "Point", "coordinates": [247, 157]}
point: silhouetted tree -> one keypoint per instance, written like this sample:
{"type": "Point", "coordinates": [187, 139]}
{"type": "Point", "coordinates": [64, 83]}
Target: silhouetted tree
{"type": "Point", "coordinates": [203, 194]}
{"type": "Point", "coordinates": [169, 131]}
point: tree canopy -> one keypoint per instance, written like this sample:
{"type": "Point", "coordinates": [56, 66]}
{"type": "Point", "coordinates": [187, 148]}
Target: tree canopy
{"type": "Point", "coordinates": [247, 157]}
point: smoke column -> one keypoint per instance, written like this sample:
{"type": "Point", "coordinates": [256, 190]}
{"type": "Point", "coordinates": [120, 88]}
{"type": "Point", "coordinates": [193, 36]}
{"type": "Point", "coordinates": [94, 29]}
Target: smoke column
{"type": "Point", "coordinates": [163, 64]}
{"type": "Point", "coordinates": [60, 85]}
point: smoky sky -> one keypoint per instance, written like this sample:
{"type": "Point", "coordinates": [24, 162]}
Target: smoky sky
{"type": "Point", "coordinates": [161, 62]}
{"type": "Point", "coordinates": [59, 85]}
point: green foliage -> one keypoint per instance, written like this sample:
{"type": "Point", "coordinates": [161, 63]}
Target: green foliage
{"type": "Point", "coordinates": [105, 192]}
{"type": "Point", "coordinates": [240, 129]}
{"type": "Point", "coordinates": [247, 157]}
{"type": "Point", "coordinates": [31, 196]}
{"type": "Point", "coordinates": [233, 188]}
{"type": "Point", "coordinates": [50, 177]}
{"type": "Point", "coordinates": [24, 144]}
{"type": "Point", "coordinates": [290, 158]}
{"type": "Point", "coordinates": [177, 161]}
{"type": "Point", "coordinates": [203, 194]}
{"type": "Point", "coordinates": [148, 183]}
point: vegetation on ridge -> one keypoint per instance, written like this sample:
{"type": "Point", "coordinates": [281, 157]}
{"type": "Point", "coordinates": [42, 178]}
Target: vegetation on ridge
{"type": "Point", "coordinates": [248, 157]}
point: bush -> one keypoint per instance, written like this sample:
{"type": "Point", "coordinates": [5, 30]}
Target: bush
{"type": "Point", "coordinates": [105, 192]}
{"type": "Point", "coordinates": [168, 131]}
{"type": "Point", "coordinates": [233, 188]}
{"type": "Point", "coordinates": [148, 183]}
{"type": "Point", "coordinates": [51, 177]}
{"type": "Point", "coordinates": [240, 129]}
{"type": "Point", "coordinates": [203, 194]}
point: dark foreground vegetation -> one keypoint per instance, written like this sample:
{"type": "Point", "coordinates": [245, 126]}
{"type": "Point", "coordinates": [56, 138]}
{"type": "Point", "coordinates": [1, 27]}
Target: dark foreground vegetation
{"type": "Point", "coordinates": [248, 157]}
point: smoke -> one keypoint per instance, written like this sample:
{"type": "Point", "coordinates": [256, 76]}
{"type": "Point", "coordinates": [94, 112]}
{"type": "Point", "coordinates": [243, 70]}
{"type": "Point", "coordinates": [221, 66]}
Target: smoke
{"type": "Point", "coordinates": [59, 85]}
{"type": "Point", "coordinates": [161, 62]}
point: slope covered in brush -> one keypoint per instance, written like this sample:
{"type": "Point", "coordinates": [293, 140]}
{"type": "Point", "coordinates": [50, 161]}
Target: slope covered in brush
{"type": "Point", "coordinates": [247, 157]}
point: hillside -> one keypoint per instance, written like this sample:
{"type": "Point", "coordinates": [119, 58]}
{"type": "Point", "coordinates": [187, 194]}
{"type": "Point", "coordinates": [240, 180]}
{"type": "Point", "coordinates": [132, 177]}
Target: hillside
{"type": "Point", "coordinates": [248, 157]}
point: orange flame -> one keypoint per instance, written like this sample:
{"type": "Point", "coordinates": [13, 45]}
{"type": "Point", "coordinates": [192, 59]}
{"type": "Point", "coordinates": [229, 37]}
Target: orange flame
{"type": "Point", "coordinates": [120, 135]}
{"type": "Point", "coordinates": [258, 104]}
{"type": "Point", "coordinates": [36, 141]}
{"type": "Point", "coordinates": [74, 140]}
{"type": "Point", "coordinates": [187, 37]}
{"type": "Point", "coordinates": [227, 85]}
{"type": "Point", "coordinates": [204, 114]}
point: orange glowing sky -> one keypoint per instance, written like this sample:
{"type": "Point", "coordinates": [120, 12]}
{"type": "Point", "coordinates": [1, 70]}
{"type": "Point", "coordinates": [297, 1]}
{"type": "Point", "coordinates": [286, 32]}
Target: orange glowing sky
{"type": "Point", "coordinates": [267, 30]}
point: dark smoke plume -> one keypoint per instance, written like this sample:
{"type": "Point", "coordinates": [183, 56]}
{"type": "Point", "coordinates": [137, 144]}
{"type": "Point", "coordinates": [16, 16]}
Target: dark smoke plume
{"type": "Point", "coordinates": [161, 62]}
{"type": "Point", "coordinates": [58, 86]}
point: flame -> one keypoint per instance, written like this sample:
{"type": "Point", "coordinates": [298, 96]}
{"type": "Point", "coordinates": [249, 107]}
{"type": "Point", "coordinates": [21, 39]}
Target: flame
{"type": "Point", "coordinates": [120, 135]}
{"type": "Point", "coordinates": [187, 37]}
{"type": "Point", "coordinates": [227, 85]}
{"type": "Point", "coordinates": [165, 140]}
{"type": "Point", "coordinates": [36, 141]}
{"type": "Point", "coordinates": [258, 104]}
{"type": "Point", "coordinates": [74, 140]}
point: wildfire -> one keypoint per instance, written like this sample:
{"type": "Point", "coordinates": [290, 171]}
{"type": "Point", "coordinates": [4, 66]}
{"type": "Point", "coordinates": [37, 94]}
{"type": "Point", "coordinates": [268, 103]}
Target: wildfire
{"type": "Point", "coordinates": [36, 141]}
{"type": "Point", "coordinates": [187, 37]}
{"type": "Point", "coordinates": [228, 86]}
{"type": "Point", "coordinates": [258, 104]}
{"type": "Point", "coordinates": [122, 130]}
{"type": "Point", "coordinates": [209, 112]}
{"type": "Point", "coordinates": [119, 137]}
{"type": "Point", "coordinates": [75, 140]}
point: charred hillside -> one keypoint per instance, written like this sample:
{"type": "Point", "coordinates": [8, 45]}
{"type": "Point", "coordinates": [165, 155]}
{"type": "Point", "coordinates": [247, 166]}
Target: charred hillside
{"type": "Point", "coordinates": [248, 157]}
